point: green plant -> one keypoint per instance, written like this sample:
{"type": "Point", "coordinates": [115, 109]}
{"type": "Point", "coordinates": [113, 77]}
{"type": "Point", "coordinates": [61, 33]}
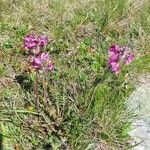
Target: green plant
{"type": "Point", "coordinates": [80, 33]}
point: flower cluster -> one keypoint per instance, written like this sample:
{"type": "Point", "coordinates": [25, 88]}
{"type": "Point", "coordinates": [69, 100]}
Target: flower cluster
{"type": "Point", "coordinates": [119, 55]}
{"type": "Point", "coordinates": [35, 44]}
{"type": "Point", "coordinates": [40, 60]}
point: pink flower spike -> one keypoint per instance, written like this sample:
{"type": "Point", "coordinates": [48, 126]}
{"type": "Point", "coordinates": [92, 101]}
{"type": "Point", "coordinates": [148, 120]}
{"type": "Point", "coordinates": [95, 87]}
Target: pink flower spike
{"type": "Point", "coordinates": [42, 62]}
{"type": "Point", "coordinates": [129, 59]}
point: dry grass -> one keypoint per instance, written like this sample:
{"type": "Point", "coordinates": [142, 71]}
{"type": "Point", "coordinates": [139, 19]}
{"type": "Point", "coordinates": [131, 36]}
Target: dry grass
{"type": "Point", "coordinates": [70, 24]}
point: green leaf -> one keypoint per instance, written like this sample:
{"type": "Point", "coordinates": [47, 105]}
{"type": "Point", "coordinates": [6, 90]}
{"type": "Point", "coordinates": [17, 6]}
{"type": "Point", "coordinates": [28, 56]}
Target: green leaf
{"type": "Point", "coordinates": [104, 136]}
{"type": "Point", "coordinates": [88, 41]}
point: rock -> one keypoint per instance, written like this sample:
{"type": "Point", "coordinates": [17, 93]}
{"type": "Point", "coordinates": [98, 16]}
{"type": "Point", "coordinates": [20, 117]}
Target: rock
{"type": "Point", "coordinates": [139, 101]}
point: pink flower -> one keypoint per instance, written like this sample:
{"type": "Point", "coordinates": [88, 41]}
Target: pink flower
{"type": "Point", "coordinates": [50, 67]}
{"type": "Point", "coordinates": [115, 67]}
{"type": "Point", "coordinates": [42, 62]}
{"type": "Point", "coordinates": [44, 56]}
{"type": "Point", "coordinates": [114, 58]}
{"type": "Point", "coordinates": [43, 40]}
{"type": "Point", "coordinates": [30, 42]}
{"type": "Point", "coordinates": [129, 59]}
{"type": "Point", "coordinates": [114, 53]}
{"type": "Point", "coordinates": [36, 63]}
{"type": "Point", "coordinates": [114, 49]}
{"type": "Point", "coordinates": [35, 44]}
{"type": "Point", "coordinates": [118, 54]}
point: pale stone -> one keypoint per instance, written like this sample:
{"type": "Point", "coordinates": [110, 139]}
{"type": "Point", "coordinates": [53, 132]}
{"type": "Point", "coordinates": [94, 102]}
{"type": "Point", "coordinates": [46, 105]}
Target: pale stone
{"type": "Point", "coordinates": [139, 101]}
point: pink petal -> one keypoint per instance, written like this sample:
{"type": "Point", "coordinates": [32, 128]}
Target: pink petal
{"type": "Point", "coordinates": [115, 67]}
{"type": "Point", "coordinates": [129, 59]}
{"type": "Point", "coordinates": [50, 67]}
{"type": "Point", "coordinates": [114, 48]}
{"type": "Point", "coordinates": [43, 40]}
{"type": "Point", "coordinates": [44, 56]}
{"type": "Point", "coordinates": [36, 63]}
{"type": "Point", "coordinates": [30, 42]}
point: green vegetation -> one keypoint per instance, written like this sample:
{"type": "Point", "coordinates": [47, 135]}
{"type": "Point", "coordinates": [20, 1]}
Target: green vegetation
{"type": "Point", "coordinates": [87, 102]}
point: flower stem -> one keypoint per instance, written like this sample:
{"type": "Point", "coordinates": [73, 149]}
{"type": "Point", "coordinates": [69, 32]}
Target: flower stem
{"type": "Point", "coordinates": [36, 92]}
{"type": "Point", "coordinates": [95, 86]}
{"type": "Point", "coordinates": [45, 87]}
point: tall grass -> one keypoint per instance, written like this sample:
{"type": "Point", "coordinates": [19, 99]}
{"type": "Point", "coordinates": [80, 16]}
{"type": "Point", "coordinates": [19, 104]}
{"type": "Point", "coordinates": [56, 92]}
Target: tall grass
{"type": "Point", "coordinates": [87, 103]}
